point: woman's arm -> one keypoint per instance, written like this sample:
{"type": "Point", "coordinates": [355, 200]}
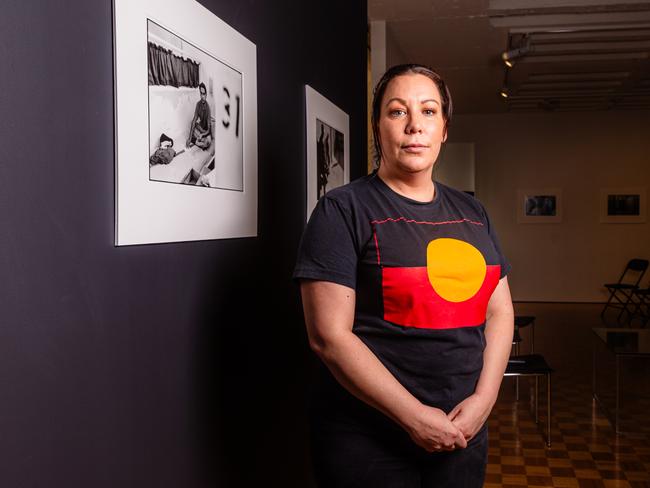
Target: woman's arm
{"type": "Point", "coordinates": [470, 414]}
{"type": "Point", "coordinates": [329, 315]}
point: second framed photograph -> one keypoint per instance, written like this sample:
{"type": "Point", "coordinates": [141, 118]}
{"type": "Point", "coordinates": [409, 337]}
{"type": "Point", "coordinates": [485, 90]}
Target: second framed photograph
{"type": "Point", "coordinates": [539, 206]}
{"type": "Point", "coordinates": [328, 147]}
{"type": "Point", "coordinates": [623, 205]}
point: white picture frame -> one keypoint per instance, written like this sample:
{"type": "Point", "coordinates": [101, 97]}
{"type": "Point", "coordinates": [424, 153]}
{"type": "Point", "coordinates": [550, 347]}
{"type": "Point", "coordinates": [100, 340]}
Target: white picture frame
{"type": "Point", "coordinates": [539, 206]}
{"type": "Point", "coordinates": [325, 124]}
{"type": "Point", "coordinates": [148, 209]}
{"type": "Point", "coordinates": [623, 205]}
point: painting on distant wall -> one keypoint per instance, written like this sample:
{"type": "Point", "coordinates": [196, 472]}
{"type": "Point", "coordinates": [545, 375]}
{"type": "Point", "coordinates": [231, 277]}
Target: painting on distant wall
{"type": "Point", "coordinates": [539, 206]}
{"type": "Point", "coordinates": [185, 124]}
{"type": "Point", "coordinates": [194, 114]}
{"type": "Point", "coordinates": [623, 205]}
{"type": "Point", "coordinates": [328, 135]}
{"type": "Point", "coordinates": [618, 205]}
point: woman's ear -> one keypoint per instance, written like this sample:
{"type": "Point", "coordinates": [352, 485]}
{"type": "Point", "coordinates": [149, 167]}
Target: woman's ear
{"type": "Point", "coordinates": [444, 134]}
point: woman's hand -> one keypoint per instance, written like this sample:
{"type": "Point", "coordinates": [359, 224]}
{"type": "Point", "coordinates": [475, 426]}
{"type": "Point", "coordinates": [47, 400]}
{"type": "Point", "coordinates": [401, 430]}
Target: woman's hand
{"type": "Point", "coordinates": [470, 414]}
{"type": "Point", "coordinates": [432, 430]}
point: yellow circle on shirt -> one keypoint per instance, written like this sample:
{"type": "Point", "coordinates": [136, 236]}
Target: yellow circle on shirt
{"type": "Point", "coordinates": [456, 269]}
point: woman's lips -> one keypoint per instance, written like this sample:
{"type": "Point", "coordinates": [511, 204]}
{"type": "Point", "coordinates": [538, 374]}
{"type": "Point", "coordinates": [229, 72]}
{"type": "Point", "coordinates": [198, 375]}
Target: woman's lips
{"type": "Point", "coordinates": [414, 148]}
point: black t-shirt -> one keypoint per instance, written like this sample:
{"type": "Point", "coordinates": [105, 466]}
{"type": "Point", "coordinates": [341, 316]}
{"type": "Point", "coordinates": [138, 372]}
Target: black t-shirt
{"type": "Point", "coordinates": [423, 275]}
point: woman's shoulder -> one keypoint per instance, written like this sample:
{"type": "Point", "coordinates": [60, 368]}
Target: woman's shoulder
{"type": "Point", "coordinates": [462, 198]}
{"type": "Point", "coordinates": [351, 193]}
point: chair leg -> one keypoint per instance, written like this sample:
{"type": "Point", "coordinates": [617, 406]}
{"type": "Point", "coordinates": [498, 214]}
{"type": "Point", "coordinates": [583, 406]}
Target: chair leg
{"type": "Point", "coordinates": [548, 410]}
{"type": "Point", "coordinates": [536, 399]}
{"type": "Point", "coordinates": [517, 377]}
{"type": "Point", "coordinates": [532, 338]}
{"type": "Point", "coordinates": [644, 312]}
{"type": "Point", "coordinates": [625, 309]}
{"type": "Point", "coordinates": [618, 317]}
{"type": "Point", "coordinates": [517, 388]}
{"type": "Point", "coordinates": [609, 300]}
{"type": "Point", "coordinates": [641, 311]}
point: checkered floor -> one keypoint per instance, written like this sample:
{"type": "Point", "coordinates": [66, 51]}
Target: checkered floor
{"type": "Point", "coordinates": [585, 451]}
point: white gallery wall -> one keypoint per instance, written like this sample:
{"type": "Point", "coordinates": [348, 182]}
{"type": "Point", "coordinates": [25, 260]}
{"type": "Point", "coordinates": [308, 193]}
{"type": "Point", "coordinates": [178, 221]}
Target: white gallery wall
{"type": "Point", "coordinates": [394, 53]}
{"type": "Point", "coordinates": [579, 153]}
{"type": "Point", "coordinates": [455, 166]}
{"type": "Point", "coordinates": [385, 51]}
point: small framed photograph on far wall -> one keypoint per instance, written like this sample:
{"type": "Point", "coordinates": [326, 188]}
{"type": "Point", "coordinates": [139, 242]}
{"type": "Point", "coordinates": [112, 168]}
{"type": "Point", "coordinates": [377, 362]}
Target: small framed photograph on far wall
{"type": "Point", "coordinates": [539, 206]}
{"type": "Point", "coordinates": [623, 205]}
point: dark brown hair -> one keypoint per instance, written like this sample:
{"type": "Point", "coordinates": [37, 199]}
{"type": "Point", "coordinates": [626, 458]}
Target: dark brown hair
{"type": "Point", "coordinates": [380, 89]}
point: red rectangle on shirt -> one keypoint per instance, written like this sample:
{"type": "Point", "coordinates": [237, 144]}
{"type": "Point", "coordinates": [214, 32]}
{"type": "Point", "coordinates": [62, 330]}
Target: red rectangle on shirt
{"type": "Point", "coordinates": [411, 301]}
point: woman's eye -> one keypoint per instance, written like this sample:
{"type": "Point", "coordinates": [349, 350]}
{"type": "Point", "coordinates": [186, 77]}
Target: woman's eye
{"type": "Point", "coordinates": [429, 111]}
{"type": "Point", "coordinates": [396, 112]}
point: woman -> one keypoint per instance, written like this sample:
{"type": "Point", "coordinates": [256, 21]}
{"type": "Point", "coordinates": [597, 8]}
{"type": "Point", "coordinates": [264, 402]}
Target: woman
{"type": "Point", "coordinates": [407, 303]}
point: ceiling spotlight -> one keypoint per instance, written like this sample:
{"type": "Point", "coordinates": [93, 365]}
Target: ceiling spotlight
{"type": "Point", "coordinates": [504, 92]}
{"type": "Point", "coordinates": [509, 56]}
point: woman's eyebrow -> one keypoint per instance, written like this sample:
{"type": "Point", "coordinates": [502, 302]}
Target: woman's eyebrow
{"type": "Point", "coordinates": [396, 99]}
{"type": "Point", "coordinates": [401, 100]}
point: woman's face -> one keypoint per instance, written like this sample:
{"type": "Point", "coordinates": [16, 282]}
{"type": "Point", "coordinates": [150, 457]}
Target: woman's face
{"type": "Point", "coordinates": [411, 126]}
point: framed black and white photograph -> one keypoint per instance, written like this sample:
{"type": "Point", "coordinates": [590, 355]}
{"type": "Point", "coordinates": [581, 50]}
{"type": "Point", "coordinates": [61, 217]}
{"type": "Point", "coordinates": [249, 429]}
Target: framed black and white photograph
{"type": "Point", "coordinates": [330, 157]}
{"type": "Point", "coordinates": [623, 205]}
{"type": "Point", "coordinates": [186, 124]}
{"type": "Point", "coordinates": [539, 206]}
{"type": "Point", "coordinates": [328, 143]}
{"type": "Point", "coordinates": [194, 107]}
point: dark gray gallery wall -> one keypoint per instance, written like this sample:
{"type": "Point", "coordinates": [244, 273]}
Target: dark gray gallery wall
{"type": "Point", "coordinates": [154, 365]}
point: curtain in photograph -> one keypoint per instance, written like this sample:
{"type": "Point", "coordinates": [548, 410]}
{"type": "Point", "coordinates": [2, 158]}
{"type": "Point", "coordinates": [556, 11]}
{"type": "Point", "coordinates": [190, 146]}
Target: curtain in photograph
{"type": "Point", "coordinates": [165, 68]}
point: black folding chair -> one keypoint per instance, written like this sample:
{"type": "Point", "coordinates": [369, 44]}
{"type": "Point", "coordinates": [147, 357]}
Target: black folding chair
{"type": "Point", "coordinates": [522, 321]}
{"type": "Point", "coordinates": [641, 299]}
{"type": "Point", "coordinates": [534, 365]}
{"type": "Point", "coordinates": [621, 293]}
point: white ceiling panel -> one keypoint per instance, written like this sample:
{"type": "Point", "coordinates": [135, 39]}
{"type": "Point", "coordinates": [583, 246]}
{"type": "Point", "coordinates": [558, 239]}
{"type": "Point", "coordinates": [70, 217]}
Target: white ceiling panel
{"type": "Point", "coordinates": [575, 49]}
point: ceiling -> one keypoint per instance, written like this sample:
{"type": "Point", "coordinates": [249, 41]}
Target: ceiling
{"type": "Point", "coordinates": [577, 54]}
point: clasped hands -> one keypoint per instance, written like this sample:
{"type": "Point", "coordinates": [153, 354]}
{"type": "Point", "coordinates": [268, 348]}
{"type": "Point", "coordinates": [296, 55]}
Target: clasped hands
{"type": "Point", "coordinates": [435, 431]}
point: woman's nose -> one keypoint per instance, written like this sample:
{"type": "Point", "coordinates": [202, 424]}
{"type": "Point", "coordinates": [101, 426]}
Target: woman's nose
{"type": "Point", "coordinates": [414, 124]}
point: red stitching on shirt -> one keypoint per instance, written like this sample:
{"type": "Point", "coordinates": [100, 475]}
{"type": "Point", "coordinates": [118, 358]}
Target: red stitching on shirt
{"type": "Point", "coordinates": [374, 233]}
{"type": "Point", "coordinates": [411, 221]}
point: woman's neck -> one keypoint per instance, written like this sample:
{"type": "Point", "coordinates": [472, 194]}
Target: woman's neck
{"type": "Point", "coordinates": [416, 186]}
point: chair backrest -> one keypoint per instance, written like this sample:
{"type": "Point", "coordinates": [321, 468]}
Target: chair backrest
{"type": "Point", "coordinates": [638, 264]}
{"type": "Point", "coordinates": [634, 271]}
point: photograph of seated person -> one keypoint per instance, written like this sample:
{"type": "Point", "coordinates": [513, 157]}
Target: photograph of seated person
{"type": "Point", "coordinates": [201, 128]}
{"type": "Point", "coordinates": [407, 306]}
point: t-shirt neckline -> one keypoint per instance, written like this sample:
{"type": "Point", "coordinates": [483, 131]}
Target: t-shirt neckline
{"type": "Point", "coordinates": [387, 190]}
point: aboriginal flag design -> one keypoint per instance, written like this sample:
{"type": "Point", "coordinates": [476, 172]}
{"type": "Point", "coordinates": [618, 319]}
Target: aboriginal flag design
{"type": "Point", "coordinates": [435, 275]}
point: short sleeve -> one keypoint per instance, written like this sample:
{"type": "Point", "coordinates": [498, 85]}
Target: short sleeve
{"type": "Point", "coordinates": [328, 249]}
{"type": "Point", "coordinates": [503, 262]}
